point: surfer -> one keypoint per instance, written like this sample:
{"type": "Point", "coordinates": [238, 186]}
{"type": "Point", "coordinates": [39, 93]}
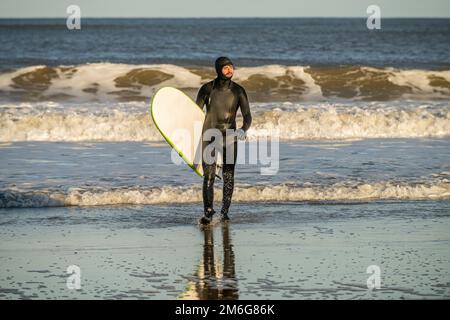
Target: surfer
{"type": "Point", "coordinates": [222, 97]}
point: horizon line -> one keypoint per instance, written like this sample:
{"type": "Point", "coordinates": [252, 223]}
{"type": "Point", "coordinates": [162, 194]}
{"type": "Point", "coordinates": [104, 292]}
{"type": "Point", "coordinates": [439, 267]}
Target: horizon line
{"type": "Point", "coordinates": [236, 17]}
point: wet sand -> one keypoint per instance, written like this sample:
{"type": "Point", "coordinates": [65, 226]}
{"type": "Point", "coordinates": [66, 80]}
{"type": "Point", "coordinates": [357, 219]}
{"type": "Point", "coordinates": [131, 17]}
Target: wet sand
{"type": "Point", "coordinates": [269, 251]}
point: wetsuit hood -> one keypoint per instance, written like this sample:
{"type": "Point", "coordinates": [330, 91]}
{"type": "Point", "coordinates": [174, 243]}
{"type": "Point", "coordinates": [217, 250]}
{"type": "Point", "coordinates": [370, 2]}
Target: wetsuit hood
{"type": "Point", "coordinates": [219, 64]}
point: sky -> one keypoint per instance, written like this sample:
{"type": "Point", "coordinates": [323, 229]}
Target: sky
{"type": "Point", "coordinates": [223, 8]}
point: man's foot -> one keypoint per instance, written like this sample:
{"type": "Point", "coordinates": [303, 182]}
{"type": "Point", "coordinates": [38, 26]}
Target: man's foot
{"type": "Point", "coordinates": [224, 217]}
{"type": "Point", "coordinates": [204, 220]}
{"type": "Point", "coordinates": [207, 217]}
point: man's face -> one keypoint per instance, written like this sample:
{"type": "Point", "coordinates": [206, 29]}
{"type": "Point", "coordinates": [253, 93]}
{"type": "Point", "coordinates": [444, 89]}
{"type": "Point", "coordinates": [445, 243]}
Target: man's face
{"type": "Point", "coordinates": [228, 71]}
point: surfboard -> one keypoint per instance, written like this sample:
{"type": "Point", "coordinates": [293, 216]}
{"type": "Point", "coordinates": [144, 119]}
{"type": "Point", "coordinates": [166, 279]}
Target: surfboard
{"type": "Point", "coordinates": [180, 120]}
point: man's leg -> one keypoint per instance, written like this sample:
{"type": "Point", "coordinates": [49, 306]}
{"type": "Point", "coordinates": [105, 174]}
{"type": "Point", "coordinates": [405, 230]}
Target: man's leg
{"type": "Point", "coordinates": [229, 162]}
{"type": "Point", "coordinates": [228, 187]}
{"type": "Point", "coordinates": [209, 174]}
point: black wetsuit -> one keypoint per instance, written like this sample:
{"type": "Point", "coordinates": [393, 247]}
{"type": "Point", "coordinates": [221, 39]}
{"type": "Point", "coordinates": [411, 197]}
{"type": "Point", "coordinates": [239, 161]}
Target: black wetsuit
{"type": "Point", "coordinates": [223, 98]}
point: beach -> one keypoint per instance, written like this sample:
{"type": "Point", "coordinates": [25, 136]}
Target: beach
{"type": "Point", "coordinates": [341, 188]}
{"type": "Point", "coordinates": [286, 240]}
{"type": "Point", "coordinates": [288, 251]}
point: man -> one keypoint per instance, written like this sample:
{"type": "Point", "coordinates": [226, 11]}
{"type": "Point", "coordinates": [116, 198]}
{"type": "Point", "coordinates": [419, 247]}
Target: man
{"type": "Point", "coordinates": [223, 98]}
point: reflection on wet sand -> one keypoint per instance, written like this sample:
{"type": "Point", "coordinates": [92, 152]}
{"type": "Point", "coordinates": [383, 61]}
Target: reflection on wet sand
{"type": "Point", "coordinates": [214, 280]}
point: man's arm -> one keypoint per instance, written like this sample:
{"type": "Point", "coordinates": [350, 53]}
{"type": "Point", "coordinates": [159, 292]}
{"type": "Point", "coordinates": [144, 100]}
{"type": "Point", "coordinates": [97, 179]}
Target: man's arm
{"type": "Point", "coordinates": [202, 96]}
{"type": "Point", "coordinates": [245, 110]}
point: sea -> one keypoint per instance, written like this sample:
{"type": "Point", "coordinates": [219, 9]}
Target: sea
{"type": "Point", "coordinates": [361, 158]}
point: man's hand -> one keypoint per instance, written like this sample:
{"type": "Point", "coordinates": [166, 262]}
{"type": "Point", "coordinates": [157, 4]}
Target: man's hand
{"type": "Point", "coordinates": [241, 134]}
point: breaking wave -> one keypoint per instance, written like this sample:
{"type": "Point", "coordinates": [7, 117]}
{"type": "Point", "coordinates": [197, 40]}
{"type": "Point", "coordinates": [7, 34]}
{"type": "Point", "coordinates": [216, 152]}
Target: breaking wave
{"type": "Point", "coordinates": [131, 121]}
{"type": "Point", "coordinates": [346, 192]}
{"type": "Point", "coordinates": [127, 82]}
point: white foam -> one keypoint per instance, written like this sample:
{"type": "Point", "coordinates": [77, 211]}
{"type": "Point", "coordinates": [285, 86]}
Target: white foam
{"type": "Point", "coordinates": [102, 74]}
{"type": "Point", "coordinates": [243, 193]}
{"type": "Point", "coordinates": [77, 125]}
{"type": "Point", "coordinates": [418, 80]}
{"type": "Point", "coordinates": [334, 122]}
{"type": "Point", "coordinates": [131, 121]}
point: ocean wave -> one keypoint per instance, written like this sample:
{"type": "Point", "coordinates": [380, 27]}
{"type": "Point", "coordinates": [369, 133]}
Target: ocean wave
{"type": "Point", "coordinates": [346, 192]}
{"type": "Point", "coordinates": [132, 122]}
{"type": "Point", "coordinates": [127, 82]}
